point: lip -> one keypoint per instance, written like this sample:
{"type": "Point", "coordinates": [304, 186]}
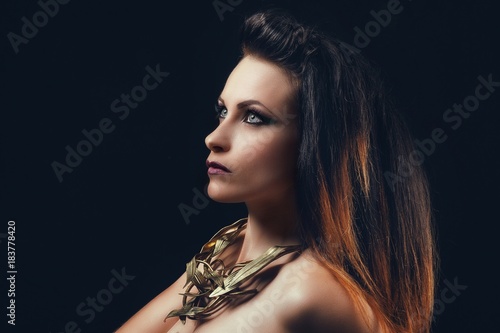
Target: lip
{"type": "Point", "coordinates": [215, 168]}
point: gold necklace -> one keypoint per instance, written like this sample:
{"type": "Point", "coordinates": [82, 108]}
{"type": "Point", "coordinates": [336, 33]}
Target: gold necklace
{"type": "Point", "coordinates": [216, 284]}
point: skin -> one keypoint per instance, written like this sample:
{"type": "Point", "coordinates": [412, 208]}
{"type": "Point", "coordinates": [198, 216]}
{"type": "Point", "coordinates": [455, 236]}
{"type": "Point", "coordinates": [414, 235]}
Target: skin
{"type": "Point", "coordinates": [261, 156]}
{"type": "Point", "coordinates": [296, 293]}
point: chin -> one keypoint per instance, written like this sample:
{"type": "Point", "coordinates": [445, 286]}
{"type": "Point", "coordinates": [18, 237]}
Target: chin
{"type": "Point", "coordinates": [219, 194]}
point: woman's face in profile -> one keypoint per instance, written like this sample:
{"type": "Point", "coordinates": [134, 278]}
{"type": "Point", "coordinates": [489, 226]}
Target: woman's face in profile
{"type": "Point", "coordinates": [257, 136]}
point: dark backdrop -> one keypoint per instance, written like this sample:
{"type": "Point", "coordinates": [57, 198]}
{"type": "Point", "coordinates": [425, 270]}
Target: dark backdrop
{"type": "Point", "coordinates": [117, 211]}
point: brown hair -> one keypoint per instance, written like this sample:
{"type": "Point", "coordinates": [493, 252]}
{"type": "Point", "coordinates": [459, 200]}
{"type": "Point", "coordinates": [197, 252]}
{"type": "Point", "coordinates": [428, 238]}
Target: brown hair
{"type": "Point", "coordinates": [375, 237]}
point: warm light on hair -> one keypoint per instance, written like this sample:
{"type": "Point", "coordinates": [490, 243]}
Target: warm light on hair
{"type": "Point", "coordinates": [377, 240]}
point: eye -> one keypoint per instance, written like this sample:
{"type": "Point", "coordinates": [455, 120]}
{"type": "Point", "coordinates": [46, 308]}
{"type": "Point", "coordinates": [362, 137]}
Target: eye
{"type": "Point", "coordinates": [254, 117]}
{"type": "Point", "coordinates": [221, 111]}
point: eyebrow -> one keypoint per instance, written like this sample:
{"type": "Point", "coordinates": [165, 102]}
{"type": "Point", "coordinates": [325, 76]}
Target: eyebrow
{"type": "Point", "coordinates": [249, 102]}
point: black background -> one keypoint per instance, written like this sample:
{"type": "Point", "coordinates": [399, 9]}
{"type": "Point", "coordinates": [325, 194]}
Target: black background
{"type": "Point", "coordinates": [119, 207]}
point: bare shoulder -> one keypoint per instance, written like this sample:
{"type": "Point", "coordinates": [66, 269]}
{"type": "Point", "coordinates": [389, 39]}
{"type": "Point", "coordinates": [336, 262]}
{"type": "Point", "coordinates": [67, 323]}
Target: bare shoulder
{"type": "Point", "coordinates": [151, 318]}
{"type": "Point", "coordinates": [317, 302]}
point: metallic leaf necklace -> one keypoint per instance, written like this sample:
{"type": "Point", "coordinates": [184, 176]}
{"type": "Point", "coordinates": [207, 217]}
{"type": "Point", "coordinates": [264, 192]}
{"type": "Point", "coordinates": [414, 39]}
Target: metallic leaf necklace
{"type": "Point", "coordinates": [217, 284]}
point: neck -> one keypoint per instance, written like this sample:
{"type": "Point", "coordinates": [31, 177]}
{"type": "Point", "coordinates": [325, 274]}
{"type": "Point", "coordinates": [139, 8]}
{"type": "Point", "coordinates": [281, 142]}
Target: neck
{"type": "Point", "coordinates": [269, 224]}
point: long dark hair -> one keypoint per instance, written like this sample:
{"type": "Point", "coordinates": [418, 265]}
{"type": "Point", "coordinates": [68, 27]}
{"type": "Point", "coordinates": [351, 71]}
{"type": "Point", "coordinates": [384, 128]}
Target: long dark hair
{"type": "Point", "coordinates": [373, 234]}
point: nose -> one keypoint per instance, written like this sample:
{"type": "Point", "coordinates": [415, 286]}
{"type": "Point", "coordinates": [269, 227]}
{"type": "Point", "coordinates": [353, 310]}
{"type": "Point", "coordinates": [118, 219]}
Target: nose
{"type": "Point", "coordinates": [218, 140]}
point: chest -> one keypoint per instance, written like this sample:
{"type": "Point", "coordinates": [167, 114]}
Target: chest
{"type": "Point", "coordinates": [260, 314]}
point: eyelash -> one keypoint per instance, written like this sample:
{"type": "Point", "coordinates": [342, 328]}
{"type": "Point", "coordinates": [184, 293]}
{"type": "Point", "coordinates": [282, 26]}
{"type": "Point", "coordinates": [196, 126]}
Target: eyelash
{"type": "Point", "coordinates": [263, 119]}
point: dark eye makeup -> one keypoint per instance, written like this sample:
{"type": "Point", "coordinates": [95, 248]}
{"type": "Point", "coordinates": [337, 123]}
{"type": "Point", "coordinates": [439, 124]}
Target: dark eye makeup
{"type": "Point", "coordinates": [252, 116]}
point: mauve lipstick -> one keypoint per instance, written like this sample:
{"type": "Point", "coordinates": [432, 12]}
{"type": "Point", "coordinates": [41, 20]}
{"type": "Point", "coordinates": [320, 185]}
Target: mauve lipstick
{"type": "Point", "coordinates": [215, 168]}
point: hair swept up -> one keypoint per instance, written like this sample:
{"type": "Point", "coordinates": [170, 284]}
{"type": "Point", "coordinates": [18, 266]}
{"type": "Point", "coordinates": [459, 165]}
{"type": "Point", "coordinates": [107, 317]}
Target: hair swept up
{"type": "Point", "coordinates": [376, 237]}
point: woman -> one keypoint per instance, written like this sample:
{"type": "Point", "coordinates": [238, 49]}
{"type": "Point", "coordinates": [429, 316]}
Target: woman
{"type": "Point", "coordinates": [338, 238]}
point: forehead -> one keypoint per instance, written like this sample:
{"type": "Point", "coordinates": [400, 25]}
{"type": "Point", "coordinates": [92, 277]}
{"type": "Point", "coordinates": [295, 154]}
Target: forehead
{"type": "Point", "coordinates": [257, 79]}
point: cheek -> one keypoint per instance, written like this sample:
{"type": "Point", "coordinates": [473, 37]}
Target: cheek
{"type": "Point", "coordinates": [265, 165]}
{"type": "Point", "coordinates": [272, 155]}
